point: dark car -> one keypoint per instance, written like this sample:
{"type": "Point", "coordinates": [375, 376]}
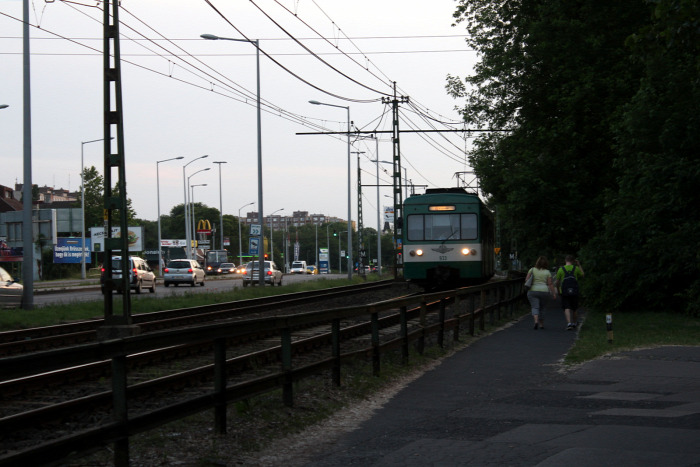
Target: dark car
{"type": "Point", "coordinates": [273, 275]}
{"type": "Point", "coordinates": [226, 268]}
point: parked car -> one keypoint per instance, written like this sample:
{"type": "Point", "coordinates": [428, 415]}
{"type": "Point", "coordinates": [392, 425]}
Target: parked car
{"type": "Point", "coordinates": [251, 276]}
{"type": "Point", "coordinates": [141, 276]}
{"type": "Point", "coordinates": [226, 268]}
{"type": "Point", "coordinates": [298, 267]}
{"type": "Point", "coordinates": [10, 291]}
{"type": "Point", "coordinates": [183, 271]}
{"type": "Point", "coordinates": [311, 270]}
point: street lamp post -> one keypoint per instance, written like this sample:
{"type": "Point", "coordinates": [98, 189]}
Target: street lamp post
{"type": "Point", "coordinates": [184, 205]}
{"type": "Point", "coordinates": [405, 175]}
{"type": "Point", "coordinates": [221, 212]}
{"type": "Point", "coordinates": [192, 203]}
{"type": "Point", "coordinates": [256, 42]}
{"type": "Point", "coordinates": [240, 243]}
{"type": "Point", "coordinates": [82, 203]}
{"type": "Point", "coordinates": [346, 107]}
{"type": "Point", "coordinates": [272, 242]}
{"type": "Point", "coordinates": [160, 248]}
{"type": "Point", "coordinates": [189, 209]}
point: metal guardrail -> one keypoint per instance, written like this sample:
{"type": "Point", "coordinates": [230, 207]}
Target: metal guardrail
{"type": "Point", "coordinates": [504, 295]}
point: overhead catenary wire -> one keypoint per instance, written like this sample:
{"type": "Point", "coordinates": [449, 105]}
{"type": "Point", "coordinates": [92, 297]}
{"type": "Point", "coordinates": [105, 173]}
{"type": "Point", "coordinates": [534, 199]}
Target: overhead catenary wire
{"type": "Point", "coordinates": [318, 88]}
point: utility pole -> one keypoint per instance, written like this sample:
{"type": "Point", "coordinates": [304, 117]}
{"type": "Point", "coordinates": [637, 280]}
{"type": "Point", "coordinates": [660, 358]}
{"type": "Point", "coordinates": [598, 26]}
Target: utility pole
{"type": "Point", "coordinates": [360, 237]}
{"type": "Point", "coordinates": [398, 201]}
{"type": "Point", "coordinates": [115, 326]}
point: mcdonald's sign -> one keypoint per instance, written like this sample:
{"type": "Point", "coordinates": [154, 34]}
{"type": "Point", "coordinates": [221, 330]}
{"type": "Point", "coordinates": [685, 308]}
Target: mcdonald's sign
{"type": "Point", "coordinates": [204, 226]}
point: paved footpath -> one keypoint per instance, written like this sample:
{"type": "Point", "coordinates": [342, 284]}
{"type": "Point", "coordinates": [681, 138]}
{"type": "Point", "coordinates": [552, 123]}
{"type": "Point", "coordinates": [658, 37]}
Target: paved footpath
{"type": "Point", "coordinates": [507, 401]}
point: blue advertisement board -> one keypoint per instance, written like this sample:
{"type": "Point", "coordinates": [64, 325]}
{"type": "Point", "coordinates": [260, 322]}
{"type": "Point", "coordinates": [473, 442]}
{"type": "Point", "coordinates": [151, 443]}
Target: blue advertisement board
{"type": "Point", "coordinates": [323, 263]}
{"type": "Point", "coordinates": [69, 250]}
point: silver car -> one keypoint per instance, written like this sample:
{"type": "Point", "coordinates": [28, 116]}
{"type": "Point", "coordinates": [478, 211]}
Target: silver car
{"type": "Point", "coordinates": [273, 275]}
{"type": "Point", "coordinates": [183, 271]}
{"type": "Point", "coordinates": [10, 291]}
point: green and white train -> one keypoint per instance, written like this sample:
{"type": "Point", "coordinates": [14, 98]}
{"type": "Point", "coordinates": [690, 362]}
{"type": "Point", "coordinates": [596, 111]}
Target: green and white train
{"type": "Point", "coordinates": [448, 239]}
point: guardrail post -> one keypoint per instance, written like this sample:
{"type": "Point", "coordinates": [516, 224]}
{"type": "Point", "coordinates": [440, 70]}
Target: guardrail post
{"type": "Point", "coordinates": [482, 318]}
{"type": "Point", "coordinates": [120, 410]}
{"type": "Point", "coordinates": [421, 339]}
{"type": "Point", "coordinates": [287, 386]}
{"type": "Point", "coordinates": [457, 315]}
{"type": "Point", "coordinates": [472, 306]}
{"type": "Point", "coordinates": [499, 298]}
{"type": "Point", "coordinates": [441, 328]}
{"type": "Point", "coordinates": [404, 335]}
{"type": "Point", "coordinates": [220, 385]}
{"type": "Point", "coordinates": [375, 344]}
{"type": "Point", "coordinates": [335, 342]}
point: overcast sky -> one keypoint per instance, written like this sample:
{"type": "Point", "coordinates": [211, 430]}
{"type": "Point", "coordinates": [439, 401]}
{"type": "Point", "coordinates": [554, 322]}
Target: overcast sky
{"type": "Point", "coordinates": [185, 96]}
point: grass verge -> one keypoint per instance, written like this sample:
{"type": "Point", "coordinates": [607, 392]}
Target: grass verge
{"type": "Point", "coordinates": [76, 311]}
{"type": "Point", "coordinates": [632, 330]}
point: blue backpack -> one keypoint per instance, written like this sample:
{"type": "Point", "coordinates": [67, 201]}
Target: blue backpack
{"type": "Point", "coordinates": [569, 285]}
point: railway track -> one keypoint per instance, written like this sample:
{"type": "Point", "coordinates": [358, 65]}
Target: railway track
{"type": "Point", "coordinates": [53, 337]}
{"type": "Point", "coordinates": [31, 408]}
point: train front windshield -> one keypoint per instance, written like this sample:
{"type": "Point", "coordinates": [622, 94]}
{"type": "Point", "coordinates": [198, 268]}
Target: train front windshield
{"type": "Point", "coordinates": [439, 227]}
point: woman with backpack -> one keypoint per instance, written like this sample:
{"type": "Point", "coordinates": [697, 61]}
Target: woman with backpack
{"type": "Point", "coordinates": [542, 288]}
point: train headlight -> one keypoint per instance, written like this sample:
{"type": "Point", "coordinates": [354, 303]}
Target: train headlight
{"type": "Point", "coordinates": [417, 252]}
{"type": "Point", "coordinates": [465, 251]}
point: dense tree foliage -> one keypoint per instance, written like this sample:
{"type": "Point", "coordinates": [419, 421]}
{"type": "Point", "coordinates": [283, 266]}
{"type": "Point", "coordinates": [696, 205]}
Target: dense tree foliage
{"type": "Point", "coordinates": [599, 102]}
{"type": "Point", "coordinates": [94, 200]}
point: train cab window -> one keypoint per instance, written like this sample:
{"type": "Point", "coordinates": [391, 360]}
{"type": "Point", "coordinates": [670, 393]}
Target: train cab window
{"type": "Point", "coordinates": [438, 227]}
{"type": "Point", "coordinates": [469, 227]}
{"type": "Point", "coordinates": [415, 227]}
{"type": "Point", "coordinates": [442, 227]}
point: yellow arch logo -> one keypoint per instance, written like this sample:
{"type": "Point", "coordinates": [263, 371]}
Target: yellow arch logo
{"type": "Point", "coordinates": [204, 226]}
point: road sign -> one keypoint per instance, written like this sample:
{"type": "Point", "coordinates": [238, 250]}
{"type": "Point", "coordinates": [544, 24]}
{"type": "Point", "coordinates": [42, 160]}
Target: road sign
{"type": "Point", "coordinates": [253, 245]}
{"type": "Point", "coordinates": [255, 230]}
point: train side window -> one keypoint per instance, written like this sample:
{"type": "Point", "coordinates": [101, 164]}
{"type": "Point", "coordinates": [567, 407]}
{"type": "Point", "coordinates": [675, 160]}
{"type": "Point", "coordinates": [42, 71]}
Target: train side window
{"type": "Point", "coordinates": [415, 227]}
{"type": "Point", "coordinates": [469, 227]}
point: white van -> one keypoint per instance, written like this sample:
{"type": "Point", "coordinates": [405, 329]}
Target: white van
{"type": "Point", "coordinates": [298, 267]}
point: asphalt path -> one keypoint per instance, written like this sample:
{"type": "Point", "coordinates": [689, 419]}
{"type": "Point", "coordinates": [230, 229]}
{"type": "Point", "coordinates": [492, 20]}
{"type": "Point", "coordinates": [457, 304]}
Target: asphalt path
{"type": "Point", "coordinates": [74, 292]}
{"type": "Point", "coordinates": [507, 400]}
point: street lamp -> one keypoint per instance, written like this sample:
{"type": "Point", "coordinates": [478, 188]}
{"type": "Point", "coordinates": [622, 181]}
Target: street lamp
{"type": "Point", "coordinates": [82, 201]}
{"type": "Point", "coordinates": [184, 205]}
{"type": "Point", "coordinates": [405, 176]}
{"type": "Point", "coordinates": [240, 244]}
{"type": "Point", "coordinates": [192, 203]}
{"type": "Point", "coordinates": [346, 107]}
{"type": "Point", "coordinates": [256, 42]}
{"type": "Point", "coordinates": [190, 212]}
{"type": "Point", "coordinates": [221, 212]}
{"type": "Point", "coordinates": [272, 242]}
{"type": "Point", "coordinates": [160, 248]}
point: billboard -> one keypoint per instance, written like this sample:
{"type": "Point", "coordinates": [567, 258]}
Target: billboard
{"type": "Point", "coordinates": [97, 235]}
{"type": "Point", "coordinates": [70, 250]}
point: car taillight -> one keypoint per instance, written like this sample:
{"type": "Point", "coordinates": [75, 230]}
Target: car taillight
{"type": "Point", "coordinates": [102, 270]}
{"type": "Point", "coordinates": [166, 270]}
{"type": "Point", "coordinates": [135, 271]}
{"type": "Point", "coordinates": [269, 273]}
{"type": "Point", "coordinates": [189, 270]}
